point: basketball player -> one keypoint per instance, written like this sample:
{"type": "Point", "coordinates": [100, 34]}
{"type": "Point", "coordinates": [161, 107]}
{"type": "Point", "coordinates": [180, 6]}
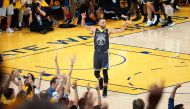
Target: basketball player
{"type": "Point", "coordinates": [101, 46]}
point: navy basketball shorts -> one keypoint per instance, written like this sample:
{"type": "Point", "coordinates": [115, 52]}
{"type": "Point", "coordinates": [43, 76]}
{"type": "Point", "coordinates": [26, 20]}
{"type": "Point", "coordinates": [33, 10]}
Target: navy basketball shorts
{"type": "Point", "coordinates": [101, 60]}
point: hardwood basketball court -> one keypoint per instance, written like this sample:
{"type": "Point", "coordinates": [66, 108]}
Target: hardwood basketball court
{"type": "Point", "coordinates": [138, 57]}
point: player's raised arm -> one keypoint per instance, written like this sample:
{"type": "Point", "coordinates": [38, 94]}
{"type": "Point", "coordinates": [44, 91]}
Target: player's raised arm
{"type": "Point", "coordinates": [86, 26]}
{"type": "Point", "coordinates": [122, 29]}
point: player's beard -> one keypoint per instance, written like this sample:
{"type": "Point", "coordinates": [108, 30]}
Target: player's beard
{"type": "Point", "coordinates": [103, 27]}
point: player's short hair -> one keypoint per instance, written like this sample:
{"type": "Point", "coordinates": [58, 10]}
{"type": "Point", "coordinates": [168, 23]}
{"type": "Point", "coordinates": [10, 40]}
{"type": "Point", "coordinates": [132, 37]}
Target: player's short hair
{"type": "Point", "coordinates": [100, 19]}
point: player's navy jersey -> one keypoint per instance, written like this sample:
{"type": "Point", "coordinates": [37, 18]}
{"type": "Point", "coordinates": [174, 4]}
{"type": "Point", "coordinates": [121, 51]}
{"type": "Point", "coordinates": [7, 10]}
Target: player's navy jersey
{"type": "Point", "coordinates": [101, 40]}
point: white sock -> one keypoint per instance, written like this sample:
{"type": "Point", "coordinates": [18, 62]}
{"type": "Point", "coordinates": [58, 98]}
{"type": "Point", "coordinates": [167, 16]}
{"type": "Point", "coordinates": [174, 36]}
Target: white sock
{"type": "Point", "coordinates": [19, 24]}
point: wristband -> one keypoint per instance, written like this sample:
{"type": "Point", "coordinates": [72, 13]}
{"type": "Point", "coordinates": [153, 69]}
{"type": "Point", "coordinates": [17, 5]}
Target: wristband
{"type": "Point", "coordinates": [33, 86]}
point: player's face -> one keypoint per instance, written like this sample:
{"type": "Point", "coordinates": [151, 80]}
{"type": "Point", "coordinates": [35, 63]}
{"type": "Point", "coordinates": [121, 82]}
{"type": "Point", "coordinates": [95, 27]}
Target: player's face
{"type": "Point", "coordinates": [102, 23]}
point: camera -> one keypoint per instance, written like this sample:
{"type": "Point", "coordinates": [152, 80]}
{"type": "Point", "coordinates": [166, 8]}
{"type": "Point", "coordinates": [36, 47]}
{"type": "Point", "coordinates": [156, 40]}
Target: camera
{"type": "Point", "coordinates": [25, 77]}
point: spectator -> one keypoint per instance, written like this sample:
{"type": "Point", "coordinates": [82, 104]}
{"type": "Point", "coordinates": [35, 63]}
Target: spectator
{"type": "Point", "coordinates": [22, 95]}
{"type": "Point", "coordinates": [171, 99]}
{"type": "Point", "coordinates": [155, 94]}
{"type": "Point", "coordinates": [53, 85]}
{"type": "Point", "coordinates": [124, 8]}
{"type": "Point", "coordinates": [134, 8]}
{"type": "Point", "coordinates": [138, 104]}
{"type": "Point", "coordinates": [29, 87]}
{"type": "Point", "coordinates": [151, 10]}
{"type": "Point", "coordinates": [91, 11]}
{"type": "Point", "coordinates": [8, 96]}
{"type": "Point", "coordinates": [7, 10]}
{"type": "Point", "coordinates": [38, 21]}
{"type": "Point", "coordinates": [169, 13]}
{"type": "Point", "coordinates": [44, 95]}
{"type": "Point", "coordinates": [16, 24]}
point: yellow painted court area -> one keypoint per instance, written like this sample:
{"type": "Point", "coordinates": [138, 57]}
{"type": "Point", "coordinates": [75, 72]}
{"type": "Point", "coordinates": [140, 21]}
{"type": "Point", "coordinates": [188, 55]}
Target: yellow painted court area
{"type": "Point", "coordinates": [132, 69]}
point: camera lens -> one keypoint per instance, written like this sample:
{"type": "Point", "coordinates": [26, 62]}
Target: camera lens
{"type": "Point", "coordinates": [25, 77]}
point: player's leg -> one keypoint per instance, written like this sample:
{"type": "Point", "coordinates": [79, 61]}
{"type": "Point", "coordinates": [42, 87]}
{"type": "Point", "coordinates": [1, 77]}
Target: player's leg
{"type": "Point", "coordinates": [97, 67]}
{"type": "Point", "coordinates": [105, 74]}
{"type": "Point", "coordinates": [105, 66]}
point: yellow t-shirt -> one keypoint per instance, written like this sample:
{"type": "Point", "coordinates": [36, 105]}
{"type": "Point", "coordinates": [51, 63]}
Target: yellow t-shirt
{"type": "Point", "coordinates": [30, 95]}
{"type": "Point", "coordinates": [43, 3]}
{"type": "Point", "coordinates": [5, 101]}
{"type": "Point", "coordinates": [18, 5]}
{"type": "Point", "coordinates": [6, 3]}
{"type": "Point", "coordinates": [29, 2]}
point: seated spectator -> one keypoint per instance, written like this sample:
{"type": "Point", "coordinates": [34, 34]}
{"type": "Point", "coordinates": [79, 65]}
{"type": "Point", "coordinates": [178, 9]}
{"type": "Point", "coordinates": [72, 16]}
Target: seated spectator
{"type": "Point", "coordinates": [66, 12]}
{"type": "Point", "coordinates": [26, 6]}
{"type": "Point", "coordinates": [99, 13]}
{"type": "Point", "coordinates": [61, 8]}
{"type": "Point", "coordinates": [38, 21]}
{"type": "Point", "coordinates": [90, 10]}
{"type": "Point", "coordinates": [6, 9]}
{"type": "Point", "coordinates": [18, 14]}
{"type": "Point", "coordinates": [45, 8]}
{"type": "Point", "coordinates": [123, 10]}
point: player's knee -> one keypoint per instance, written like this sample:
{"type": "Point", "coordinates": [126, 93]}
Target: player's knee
{"type": "Point", "coordinates": [97, 73]}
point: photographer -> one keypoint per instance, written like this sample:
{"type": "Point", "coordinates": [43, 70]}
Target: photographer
{"type": "Point", "coordinates": [28, 86]}
{"type": "Point", "coordinates": [38, 20]}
